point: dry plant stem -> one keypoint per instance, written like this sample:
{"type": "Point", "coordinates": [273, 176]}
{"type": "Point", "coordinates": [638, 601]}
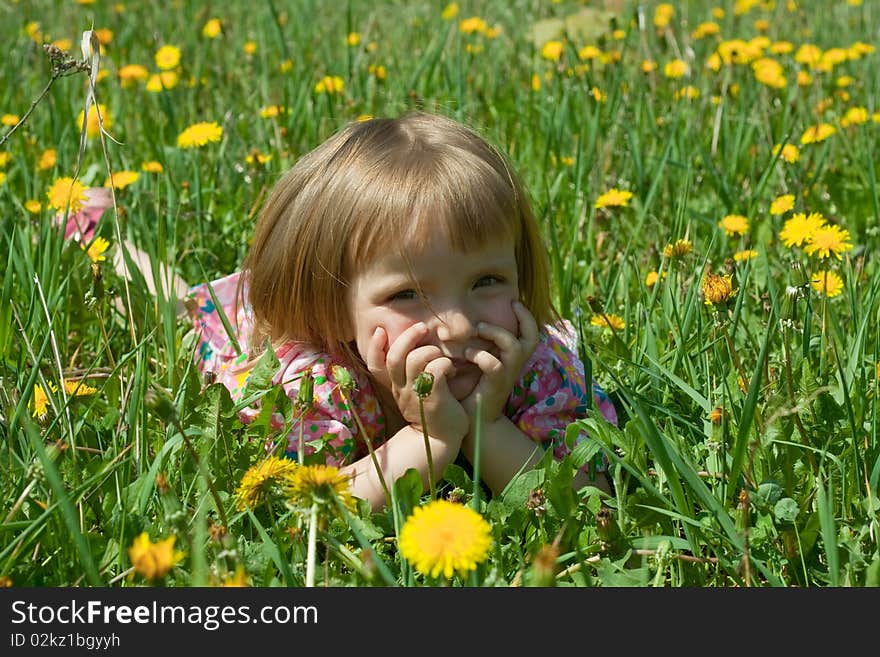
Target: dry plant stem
{"type": "Point", "coordinates": [55, 76]}
{"type": "Point", "coordinates": [369, 443]}
{"type": "Point", "coordinates": [431, 484]}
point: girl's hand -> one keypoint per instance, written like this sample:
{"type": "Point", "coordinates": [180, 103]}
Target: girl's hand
{"type": "Point", "coordinates": [500, 373]}
{"type": "Point", "coordinates": [445, 418]}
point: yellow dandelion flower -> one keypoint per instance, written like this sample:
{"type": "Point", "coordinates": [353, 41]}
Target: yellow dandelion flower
{"type": "Point", "coordinates": [48, 159]}
{"type": "Point", "coordinates": [790, 153]}
{"type": "Point", "coordinates": [800, 228]}
{"type": "Point", "coordinates": [377, 71]}
{"type": "Point", "coordinates": [445, 538]}
{"type": "Point", "coordinates": [353, 39]}
{"type": "Point", "coordinates": [271, 479]}
{"type": "Point", "coordinates": [690, 92]}
{"type": "Point", "coordinates": [167, 57]}
{"type": "Point", "coordinates": [257, 156]}
{"type": "Point", "coordinates": [152, 167]}
{"type": "Point", "coordinates": [9, 119]}
{"type": "Point", "coordinates": [5, 158]}
{"type": "Point", "coordinates": [122, 179]}
{"type": "Point", "coordinates": [93, 129]}
{"type": "Point", "coordinates": [828, 283]}
{"type": "Point", "coordinates": [589, 52]}
{"type": "Point", "coordinates": [648, 65]}
{"type": "Point", "coordinates": [678, 249]}
{"type": "Point", "coordinates": [330, 84]}
{"type": "Point", "coordinates": [132, 73]}
{"type": "Point", "coordinates": [286, 66]}
{"type": "Point", "coordinates": [734, 224]}
{"type": "Point", "coordinates": [613, 198]}
{"type": "Point", "coordinates": [66, 190]}
{"type": "Point", "coordinates": [781, 47]}
{"type": "Point", "coordinates": [472, 24]}
{"type": "Point", "coordinates": [827, 241]}
{"type": "Point", "coordinates": [212, 28]}
{"type": "Point", "coordinates": [817, 133]}
{"type": "Point", "coordinates": [33, 206]}
{"type": "Point", "coordinates": [745, 255]}
{"type": "Point", "coordinates": [708, 28]}
{"type": "Point", "coordinates": [319, 483]}
{"type": "Point", "coordinates": [609, 321]}
{"type": "Point", "coordinates": [153, 560]}
{"type": "Point", "coordinates": [652, 277]}
{"type": "Point", "coordinates": [855, 116]}
{"type": "Point", "coordinates": [552, 50]}
{"type": "Point", "coordinates": [782, 204]}
{"type": "Point", "coordinates": [769, 72]}
{"type": "Point", "coordinates": [718, 290]}
{"type": "Point", "coordinates": [162, 81]}
{"type": "Point", "coordinates": [663, 14]}
{"type": "Point", "coordinates": [536, 82]}
{"type": "Point", "coordinates": [78, 388]}
{"type": "Point", "coordinates": [450, 11]}
{"type": "Point", "coordinates": [97, 249]}
{"type": "Point", "coordinates": [675, 69]}
{"type": "Point", "coordinates": [41, 400]}
{"type": "Point", "coordinates": [249, 47]}
{"type": "Point", "coordinates": [271, 111]}
{"type": "Point", "coordinates": [199, 134]}
{"type": "Point", "coordinates": [2, 177]}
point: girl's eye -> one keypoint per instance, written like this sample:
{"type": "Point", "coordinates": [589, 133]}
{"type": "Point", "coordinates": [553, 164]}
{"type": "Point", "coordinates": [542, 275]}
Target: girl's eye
{"type": "Point", "coordinates": [486, 281]}
{"type": "Point", "coordinates": [404, 295]}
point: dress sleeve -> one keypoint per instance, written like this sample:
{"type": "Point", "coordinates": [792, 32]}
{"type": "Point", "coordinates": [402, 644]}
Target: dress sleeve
{"type": "Point", "coordinates": [329, 427]}
{"type": "Point", "coordinates": [552, 391]}
{"type": "Point", "coordinates": [216, 346]}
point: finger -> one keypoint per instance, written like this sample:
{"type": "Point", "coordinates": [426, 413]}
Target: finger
{"type": "Point", "coordinates": [489, 364]}
{"type": "Point", "coordinates": [376, 348]}
{"type": "Point", "coordinates": [418, 359]}
{"type": "Point", "coordinates": [395, 359]}
{"type": "Point", "coordinates": [440, 368]}
{"type": "Point", "coordinates": [528, 327]}
{"type": "Point", "coordinates": [507, 343]}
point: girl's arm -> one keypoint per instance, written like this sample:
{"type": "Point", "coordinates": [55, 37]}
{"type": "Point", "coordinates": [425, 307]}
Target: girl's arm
{"type": "Point", "coordinates": [505, 450]}
{"type": "Point", "coordinates": [404, 450]}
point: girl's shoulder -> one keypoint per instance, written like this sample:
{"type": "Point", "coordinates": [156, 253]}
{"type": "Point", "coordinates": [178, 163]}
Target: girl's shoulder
{"type": "Point", "coordinates": [221, 316]}
{"type": "Point", "coordinates": [557, 342]}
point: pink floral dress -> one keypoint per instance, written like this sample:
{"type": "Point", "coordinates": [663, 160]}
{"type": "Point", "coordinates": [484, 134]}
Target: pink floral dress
{"type": "Point", "coordinates": [549, 395]}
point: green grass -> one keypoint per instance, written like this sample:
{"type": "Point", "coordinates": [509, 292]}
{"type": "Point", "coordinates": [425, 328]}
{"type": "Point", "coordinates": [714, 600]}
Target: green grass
{"type": "Point", "coordinates": [781, 491]}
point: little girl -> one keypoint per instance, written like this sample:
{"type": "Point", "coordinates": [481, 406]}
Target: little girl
{"type": "Point", "coordinates": [395, 247]}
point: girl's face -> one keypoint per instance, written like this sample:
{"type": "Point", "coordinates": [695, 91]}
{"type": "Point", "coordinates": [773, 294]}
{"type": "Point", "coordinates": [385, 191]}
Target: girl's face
{"type": "Point", "coordinates": [458, 291]}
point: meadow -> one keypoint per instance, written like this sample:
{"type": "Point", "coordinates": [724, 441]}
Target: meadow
{"type": "Point", "coordinates": [704, 176]}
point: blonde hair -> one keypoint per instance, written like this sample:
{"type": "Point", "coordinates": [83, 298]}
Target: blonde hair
{"type": "Point", "coordinates": [375, 184]}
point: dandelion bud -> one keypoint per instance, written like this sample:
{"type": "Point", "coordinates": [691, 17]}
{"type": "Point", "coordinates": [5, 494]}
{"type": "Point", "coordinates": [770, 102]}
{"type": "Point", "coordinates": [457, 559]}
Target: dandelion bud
{"type": "Point", "coordinates": [423, 384]}
{"type": "Point", "coordinates": [343, 377]}
{"type": "Point", "coordinates": [799, 276]}
{"type": "Point", "coordinates": [306, 395]}
{"type": "Point", "coordinates": [158, 401]}
{"type": "Point", "coordinates": [716, 415]}
{"type": "Point", "coordinates": [536, 501]}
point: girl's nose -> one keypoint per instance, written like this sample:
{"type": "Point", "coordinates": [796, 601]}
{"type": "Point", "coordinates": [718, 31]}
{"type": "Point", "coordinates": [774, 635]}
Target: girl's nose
{"type": "Point", "coordinates": [453, 325]}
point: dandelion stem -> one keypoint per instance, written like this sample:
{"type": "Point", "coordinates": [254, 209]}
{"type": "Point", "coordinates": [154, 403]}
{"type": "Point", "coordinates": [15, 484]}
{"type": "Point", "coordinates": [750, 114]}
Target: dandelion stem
{"type": "Point", "coordinates": [312, 546]}
{"type": "Point", "coordinates": [369, 444]}
{"type": "Point", "coordinates": [431, 485]}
